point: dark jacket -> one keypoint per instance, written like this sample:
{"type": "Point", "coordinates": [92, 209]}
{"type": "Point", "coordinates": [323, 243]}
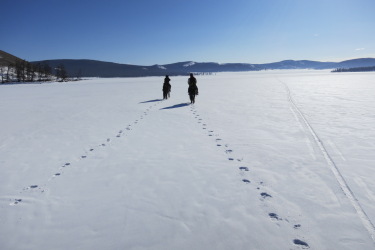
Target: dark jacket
{"type": "Point", "coordinates": [193, 89]}
{"type": "Point", "coordinates": [167, 86]}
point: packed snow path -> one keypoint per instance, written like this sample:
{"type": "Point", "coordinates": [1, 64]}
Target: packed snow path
{"type": "Point", "coordinates": [106, 164]}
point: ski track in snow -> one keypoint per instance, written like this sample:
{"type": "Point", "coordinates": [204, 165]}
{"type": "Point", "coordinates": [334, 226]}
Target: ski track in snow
{"type": "Point", "coordinates": [41, 188]}
{"type": "Point", "coordinates": [244, 172]}
{"type": "Point", "coordinates": [367, 223]}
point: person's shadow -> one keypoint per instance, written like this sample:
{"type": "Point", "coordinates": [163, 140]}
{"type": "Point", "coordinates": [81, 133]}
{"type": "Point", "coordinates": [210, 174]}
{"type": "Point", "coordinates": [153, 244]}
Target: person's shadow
{"type": "Point", "coordinates": [176, 106]}
{"type": "Point", "coordinates": [155, 100]}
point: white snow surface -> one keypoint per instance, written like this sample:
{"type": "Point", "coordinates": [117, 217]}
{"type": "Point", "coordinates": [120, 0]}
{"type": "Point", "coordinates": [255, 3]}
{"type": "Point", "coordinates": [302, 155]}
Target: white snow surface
{"type": "Point", "coordinates": [107, 164]}
{"type": "Point", "coordinates": [189, 64]}
{"type": "Point", "coordinates": [161, 67]}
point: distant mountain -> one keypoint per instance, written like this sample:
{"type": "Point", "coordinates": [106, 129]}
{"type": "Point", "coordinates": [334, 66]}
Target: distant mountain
{"type": "Point", "coordinates": [356, 63]}
{"type": "Point", "coordinates": [303, 64]}
{"type": "Point", "coordinates": [93, 68]}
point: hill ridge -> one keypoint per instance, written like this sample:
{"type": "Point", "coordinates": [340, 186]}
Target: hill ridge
{"type": "Point", "coordinates": [97, 68]}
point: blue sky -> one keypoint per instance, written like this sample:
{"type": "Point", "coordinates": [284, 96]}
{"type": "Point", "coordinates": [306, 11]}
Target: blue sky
{"type": "Point", "coordinates": [148, 32]}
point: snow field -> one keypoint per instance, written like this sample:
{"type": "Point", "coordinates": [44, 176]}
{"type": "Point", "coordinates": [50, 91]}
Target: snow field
{"type": "Point", "coordinates": [105, 164]}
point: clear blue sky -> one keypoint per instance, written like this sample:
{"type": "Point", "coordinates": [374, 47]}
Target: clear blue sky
{"type": "Point", "coordinates": [147, 32]}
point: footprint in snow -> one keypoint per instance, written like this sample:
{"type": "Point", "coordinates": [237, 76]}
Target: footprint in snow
{"type": "Point", "coordinates": [301, 243]}
{"type": "Point", "coordinates": [228, 151]}
{"type": "Point", "coordinates": [16, 201]}
{"type": "Point", "coordinates": [274, 216]}
{"type": "Point", "coordinates": [83, 156]}
{"type": "Point", "coordinates": [219, 145]}
{"type": "Point", "coordinates": [66, 164]}
{"type": "Point", "coordinates": [91, 149]}
{"type": "Point", "coordinates": [33, 186]}
{"type": "Point", "coordinates": [265, 195]}
{"type": "Point", "coordinates": [244, 168]}
{"type": "Point", "coordinates": [297, 226]}
{"type": "Point", "coordinates": [246, 180]}
{"type": "Point", "coordinates": [231, 159]}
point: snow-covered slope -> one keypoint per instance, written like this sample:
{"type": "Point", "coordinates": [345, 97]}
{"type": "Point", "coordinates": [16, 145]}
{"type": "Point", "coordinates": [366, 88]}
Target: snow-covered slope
{"type": "Point", "coordinates": [254, 164]}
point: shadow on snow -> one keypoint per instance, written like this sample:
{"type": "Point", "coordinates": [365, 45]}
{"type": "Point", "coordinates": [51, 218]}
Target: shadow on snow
{"type": "Point", "coordinates": [155, 100]}
{"type": "Point", "coordinates": [176, 106]}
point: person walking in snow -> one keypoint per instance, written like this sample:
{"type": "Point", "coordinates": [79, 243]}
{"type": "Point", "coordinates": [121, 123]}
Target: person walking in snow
{"type": "Point", "coordinates": [193, 89]}
{"type": "Point", "coordinates": [166, 87]}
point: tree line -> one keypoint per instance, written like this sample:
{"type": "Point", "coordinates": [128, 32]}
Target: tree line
{"type": "Point", "coordinates": [24, 71]}
{"type": "Point", "coordinates": [358, 69]}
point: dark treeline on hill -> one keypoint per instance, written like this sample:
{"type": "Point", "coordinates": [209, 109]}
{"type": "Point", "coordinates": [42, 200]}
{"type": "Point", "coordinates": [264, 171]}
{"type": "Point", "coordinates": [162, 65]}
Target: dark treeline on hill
{"type": "Point", "coordinates": [358, 69]}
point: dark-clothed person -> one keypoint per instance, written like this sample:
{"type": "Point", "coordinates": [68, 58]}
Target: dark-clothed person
{"type": "Point", "coordinates": [193, 89]}
{"type": "Point", "coordinates": [166, 87]}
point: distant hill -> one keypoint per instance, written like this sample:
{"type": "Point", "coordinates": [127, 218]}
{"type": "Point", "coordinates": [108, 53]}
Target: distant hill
{"type": "Point", "coordinates": [356, 63]}
{"type": "Point", "coordinates": [6, 58]}
{"type": "Point", "coordinates": [93, 68]}
{"type": "Point", "coordinates": [302, 64]}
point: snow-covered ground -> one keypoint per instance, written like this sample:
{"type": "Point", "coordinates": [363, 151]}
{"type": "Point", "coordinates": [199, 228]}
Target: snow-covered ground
{"type": "Point", "coordinates": [263, 160]}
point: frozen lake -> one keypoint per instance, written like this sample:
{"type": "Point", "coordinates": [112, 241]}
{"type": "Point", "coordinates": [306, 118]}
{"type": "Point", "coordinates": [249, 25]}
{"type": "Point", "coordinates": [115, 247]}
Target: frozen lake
{"type": "Point", "coordinates": [262, 160]}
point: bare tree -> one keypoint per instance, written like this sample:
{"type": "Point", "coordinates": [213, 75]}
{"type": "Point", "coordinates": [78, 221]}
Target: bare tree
{"type": "Point", "coordinates": [1, 73]}
{"type": "Point", "coordinates": [30, 71]}
{"type": "Point", "coordinates": [61, 73]}
{"type": "Point", "coordinates": [9, 68]}
{"type": "Point", "coordinates": [47, 72]}
{"type": "Point", "coordinates": [79, 75]}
